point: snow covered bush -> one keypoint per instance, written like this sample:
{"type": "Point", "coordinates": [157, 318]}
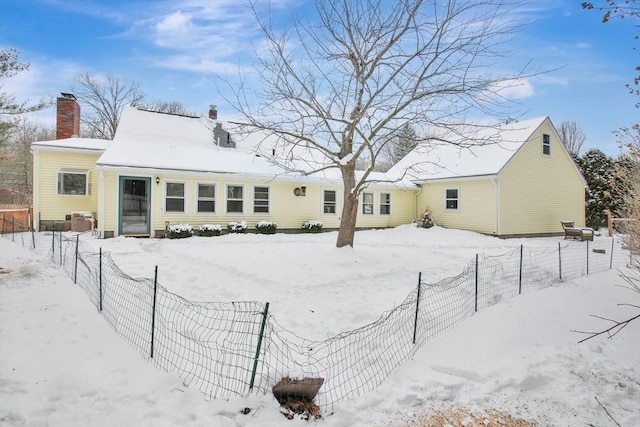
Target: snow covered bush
{"type": "Point", "coordinates": [208, 230]}
{"type": "Point", "coordinates": [179, 231]}
{"type": "Point", "coordinates": [312, 226]}
{"type": "Point", "coordinates": [266, 227]}
{"type": "Point", "coordinates": [237, 227]}
{"type": "Point", "coordinates": [425, 220]}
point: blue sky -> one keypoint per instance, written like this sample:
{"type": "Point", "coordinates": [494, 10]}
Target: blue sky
{"type": "Point", "coordinates": [176, 48]}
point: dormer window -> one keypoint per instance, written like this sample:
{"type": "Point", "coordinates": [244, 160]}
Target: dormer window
{"type": "Point", "coordinates": [546, 144]}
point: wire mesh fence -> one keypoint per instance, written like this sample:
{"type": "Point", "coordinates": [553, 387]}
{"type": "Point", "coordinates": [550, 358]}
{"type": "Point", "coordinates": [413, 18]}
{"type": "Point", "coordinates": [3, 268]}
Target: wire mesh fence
{"type": "Point", "coordinates": [234, 348]}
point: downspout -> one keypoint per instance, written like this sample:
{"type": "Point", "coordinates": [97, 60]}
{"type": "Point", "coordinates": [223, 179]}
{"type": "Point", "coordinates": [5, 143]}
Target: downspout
{"type": "Point", "coordinates": [36, 190]}
{"type": "Point", "coordinates": [416, 214]}
{"type": "Point", "coordinates": [497, 205]}
{"type": "Point", "coordinates": [101, 204]}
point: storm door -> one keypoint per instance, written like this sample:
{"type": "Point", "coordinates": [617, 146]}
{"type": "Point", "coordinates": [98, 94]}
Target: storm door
{"type": "Point", "coordinates": [134, 205]}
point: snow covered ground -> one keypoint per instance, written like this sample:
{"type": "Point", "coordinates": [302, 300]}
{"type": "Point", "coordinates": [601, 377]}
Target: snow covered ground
{"type": "Point", "coordinates": [62, 365]}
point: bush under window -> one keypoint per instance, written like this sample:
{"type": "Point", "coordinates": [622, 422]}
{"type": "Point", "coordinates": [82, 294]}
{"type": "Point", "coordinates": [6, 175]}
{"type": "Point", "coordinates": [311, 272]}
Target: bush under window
{"type": "Point", "coordinates": [179, 231]}
{"type": "Point", "coordinates": [208, 230]}
{"type": "Point", "coordinates": [237, 227]}
{"type": "Point", "coordinates": [312, 226]}
{"type": "Point", "coordinates": [266, 227]}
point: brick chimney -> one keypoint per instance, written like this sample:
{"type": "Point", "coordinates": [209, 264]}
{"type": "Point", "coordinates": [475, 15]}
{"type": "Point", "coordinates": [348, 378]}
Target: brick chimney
{"type": "Point", "coordinates": [67, 116]}
{"type": "Point", "coordinates": [213, 112]}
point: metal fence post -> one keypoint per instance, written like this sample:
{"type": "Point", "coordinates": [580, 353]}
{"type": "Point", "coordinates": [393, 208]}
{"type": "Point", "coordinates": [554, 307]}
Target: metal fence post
{"type": "Point", "coordinates": [100, 280]}
{"type": "Point", "coordinates": [75, 269]}
{"type": "Point", "coordinates": [476, 305]}
{"type": "Point", "coordinates": [153, 308]}
{"type": "Point", "coordinates": [587, 257]}
{"type": "Point", "coordinates": [255, 359]}
{"type": "Point", "coordinates": [415, 323]}
{"type": "Point", "coordinates": [611, 259]}
{"type": "Point", "coordinates": [560, 260]}
{"type": "Point", "coordinates": [60, 238]}
{"type": "Point", "coordinates": [53, 243]}
{"type": "Point", "coordinates": [33, 238]}
{"type": "Point", "coordinates": [520, 278]}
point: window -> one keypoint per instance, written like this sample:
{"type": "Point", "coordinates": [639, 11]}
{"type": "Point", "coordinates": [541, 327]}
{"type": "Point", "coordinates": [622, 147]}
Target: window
{"type": "Point", "coordinates": [367, 203]}
{"type": "Point", "coordinates": [329, 202]}
{"type": "Point", "coordinates": [385, 203]}
{"type": "Point", "coordinates": [206, 198]}
{"type": "Point", "coordinates": [174, 197]}
{"type": "Point", "coordinates": [235, 201]}
{"type": "Point", "coordinates": [451, 198]}
{"type": "Point", "coordinates": [546, 144]}
{"type": "Point", "coordinates": [261, 200]}
{"type": "Point", "coordinates": [73, 182]}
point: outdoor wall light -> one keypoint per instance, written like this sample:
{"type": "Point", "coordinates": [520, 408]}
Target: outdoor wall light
{"type": "Point", "coordinates": [157, 180]}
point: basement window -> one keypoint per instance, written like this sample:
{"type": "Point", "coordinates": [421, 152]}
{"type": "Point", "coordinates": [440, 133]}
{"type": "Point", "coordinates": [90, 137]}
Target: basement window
{"type": "Point", "coordinates": [73, 182]}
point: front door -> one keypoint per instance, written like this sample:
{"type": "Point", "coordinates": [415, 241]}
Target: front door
{"type": "Point", "coordinates": [134, 205]}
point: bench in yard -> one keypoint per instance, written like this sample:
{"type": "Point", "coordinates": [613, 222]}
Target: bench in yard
{"type": "Point", "coordinates": [573, 232]}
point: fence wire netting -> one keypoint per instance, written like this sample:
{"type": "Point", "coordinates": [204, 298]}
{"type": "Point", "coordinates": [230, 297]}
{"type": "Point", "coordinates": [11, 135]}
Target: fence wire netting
{"type": "Point", "coordinates": [235, 348]}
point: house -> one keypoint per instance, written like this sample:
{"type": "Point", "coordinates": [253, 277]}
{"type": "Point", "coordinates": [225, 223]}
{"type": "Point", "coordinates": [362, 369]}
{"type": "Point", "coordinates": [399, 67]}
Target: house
{"type": "Point", "coordinates": [162, 169]}
{"type": "Point", "coordinates": [519, 181]}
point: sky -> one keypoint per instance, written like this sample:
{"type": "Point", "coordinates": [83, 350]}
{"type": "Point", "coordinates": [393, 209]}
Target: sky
{"type": "Point", "coordinates": [63, 364]}
{"type": "Point", "coordinates": [187, 50]}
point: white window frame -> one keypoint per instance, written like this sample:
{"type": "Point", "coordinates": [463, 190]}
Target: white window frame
{"type": "Point", "coordinates": [62, 172]}
{"type": "Point", "coordinates": [456, 198]}
{"type": "Point", "coordinates": [365, 204]}
{"type": "Point", "coordinates": [324, 202]}
{"type": "Point", "coordinates": [227, 199]}
{"type": "Point", "coordinates": [268, 206]}
{"type": "Point", "coordinates": [382, 203]}
{"type": "Point", "coordinates": [184, 196]}
{"type": "Point", "coordinates": [546, 144]}
{"type": "Point", "coordinates": [206, 199]}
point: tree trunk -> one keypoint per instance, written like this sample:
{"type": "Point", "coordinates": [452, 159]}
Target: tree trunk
{"type": "Point", "coordinates": [347, 230]}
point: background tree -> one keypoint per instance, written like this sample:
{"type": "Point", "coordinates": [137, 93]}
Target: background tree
{"type": "Point", "coordinates": [10, 65]}
{"type": "Point", "coordinates": [572, 136]}
{"type": "Point", "coordinates": [17, 163]}
{"type": "Point", "coordinates": [600, 173]}
{"type": "Point", "coordinates": [171, 107]}
{"type": "Point", "coordinates": [404, 140]}
{"type": "Point", "coordinates": [104, 98]}
{"type": "Point", "coordinates": [336, 90]}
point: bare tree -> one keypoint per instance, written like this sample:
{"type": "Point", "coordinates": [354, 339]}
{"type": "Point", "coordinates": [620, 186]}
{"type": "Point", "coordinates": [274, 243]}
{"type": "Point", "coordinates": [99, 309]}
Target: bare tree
{"type": "Point", "coordinates": [338, 88]}
{"type": "Point", "coordinates": [403, 142]}
{"type": "Point", "coordinates": [105, 98]}
{"type": "Point", "coordinates": [572, 136]}
{"type": "Point", "coordinates": [17, 163]}
{"type": "Point", "coordinates": [170, 107]}
{"type": "Point", "coordinates": [10, 65]}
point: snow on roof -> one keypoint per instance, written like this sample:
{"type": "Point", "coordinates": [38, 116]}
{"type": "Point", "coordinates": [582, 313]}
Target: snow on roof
{"type": "Point", "coordinates": [147, 139]}
{"type": "Point", "coordinates": [477, 153]}
{"type": "Point", "coordinates": [77, 143]}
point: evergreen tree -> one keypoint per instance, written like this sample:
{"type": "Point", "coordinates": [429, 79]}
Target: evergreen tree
{"type": "Point", "coordinates": [600, 173]}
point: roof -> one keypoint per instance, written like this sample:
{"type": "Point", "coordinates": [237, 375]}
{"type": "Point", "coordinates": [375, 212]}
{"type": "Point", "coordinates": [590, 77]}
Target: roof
{"type": "Point", "coordinates": [466, 153]}
{"type": "Point", "coordinates": [146, 139]}
{"type": "Point", "coordinates": [72, 143]}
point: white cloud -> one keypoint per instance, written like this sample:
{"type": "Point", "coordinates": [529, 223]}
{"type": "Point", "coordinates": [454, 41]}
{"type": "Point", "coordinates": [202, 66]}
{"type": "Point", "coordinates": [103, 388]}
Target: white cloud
{"type": "Point", "coordinates": [514, 89]}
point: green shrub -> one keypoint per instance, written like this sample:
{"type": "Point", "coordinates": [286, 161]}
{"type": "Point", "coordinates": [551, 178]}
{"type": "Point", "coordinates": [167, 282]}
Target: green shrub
{"type": "Point", "coordinates": [208, 230]}
{"type": "Point", "coordinates": [266, 227]}
{"type": "Point", "coordinates": [312, 227]}
{"type": "Point", "coordinates": [237, 227]}
{"type": "Point", "coordinates": [179, 231]}
{"type": "Point", "coordinates": [426, 219]}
